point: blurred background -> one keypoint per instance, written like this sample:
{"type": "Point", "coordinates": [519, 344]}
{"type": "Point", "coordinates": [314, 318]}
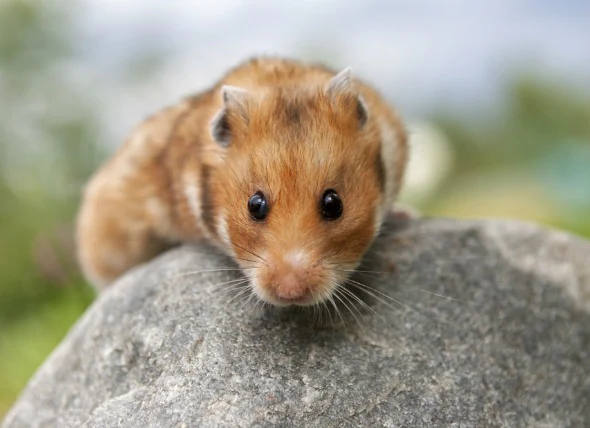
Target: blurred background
{"type": "Point", "coordinates": [496, 95]}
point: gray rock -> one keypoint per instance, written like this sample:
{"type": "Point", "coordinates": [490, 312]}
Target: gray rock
{"type": "Point", "coordinates": [167, 349]}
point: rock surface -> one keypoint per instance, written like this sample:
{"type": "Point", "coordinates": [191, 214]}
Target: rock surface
{"type": "Point", "coordinates": [163, 348]}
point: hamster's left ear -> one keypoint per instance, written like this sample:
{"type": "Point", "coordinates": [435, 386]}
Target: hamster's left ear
{"type": "Point", "coordinates": [343, 91]}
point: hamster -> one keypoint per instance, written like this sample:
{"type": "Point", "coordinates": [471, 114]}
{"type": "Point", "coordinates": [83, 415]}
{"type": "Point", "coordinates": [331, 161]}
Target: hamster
{"type": "Point", "coordinates": [287, 167]}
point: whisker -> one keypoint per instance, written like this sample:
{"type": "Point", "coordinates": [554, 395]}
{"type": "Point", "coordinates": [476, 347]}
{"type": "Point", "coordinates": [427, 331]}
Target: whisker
{"type": "Point", "coordinates": [366, 287]}
{"type": "Point", "coordinates": [444, 297]}
{"type": "Point", "coordinates": [245, 260]}
{"type": "Point", "coordinates": [246, 299]}
{"type": "Point", "coordinates": [234, 287]}
{"type": "Point", "coordinates": [243, 300]}
{"type": "Point", "coordinates": [196, 272]}
{"type": "Point", "coordinates": [242, 259]}
{"type": "Point", "coordinates": [243, 278]}
{"type": "Point", "coordinates": [375, 296]}
{"type": "Point", "coordinates": [338, 296]}
{"type": "Point", "coordinates": [372, 291]}
{"type": "Point", "coordinates": [231, 281]}
{"type": "Point", "coordinates": [319, 308]}
{"type": "Point", "coordinates": [328, 311]}
{"type": "Point", "coordinates": [333, 286]}
{"type": "Point", "coordinates": [351, 272]}
{"type": "Point", "coordinates": [361, 271]}
{"type": "Point", "coordinates": [233, 290]}
{"type": "Point", "coordinates": [218, 254]}
{"type": "Point", "coordinates": [260, 302]}
{"type": "Point", "coordinates": [248, 251]}
{"type": "Point", "coordinates": [317, 312]}
{"type": "Point", "coordinates": [321, 259]}
{"type": "Point", "coordinates": [331, 300]}
{"type": "Point", "coordinates": [241, 293]}
{"type": "Point", "coordinates": [309, 313]}
{"type": "Point", "coordinates": [358, 299]}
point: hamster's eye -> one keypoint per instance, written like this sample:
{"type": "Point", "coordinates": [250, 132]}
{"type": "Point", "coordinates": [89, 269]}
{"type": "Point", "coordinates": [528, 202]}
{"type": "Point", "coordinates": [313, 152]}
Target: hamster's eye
{"type": "Point", "coordinates": [258, 206]}
{"type": "Point", "coordinates": [331, 205]}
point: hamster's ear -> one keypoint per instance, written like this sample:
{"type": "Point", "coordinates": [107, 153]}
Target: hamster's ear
{"type": "Point", "coordinates": [233, 114]}
{"type": "Point", "coordinates": [343, 91]}
{"type": "Point", "coordinates": [342, 83]}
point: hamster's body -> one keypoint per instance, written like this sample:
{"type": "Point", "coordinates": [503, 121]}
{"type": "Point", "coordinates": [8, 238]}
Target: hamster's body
{"type": "Point", "coordinates": [285, 166]}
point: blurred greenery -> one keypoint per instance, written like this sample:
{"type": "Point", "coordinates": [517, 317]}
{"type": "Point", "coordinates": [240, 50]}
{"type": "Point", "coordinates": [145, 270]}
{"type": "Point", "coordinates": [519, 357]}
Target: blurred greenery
{"type": "Point", "coordinates": [530, 160]}
{"type": "Point", "coordinates": [48, 146]}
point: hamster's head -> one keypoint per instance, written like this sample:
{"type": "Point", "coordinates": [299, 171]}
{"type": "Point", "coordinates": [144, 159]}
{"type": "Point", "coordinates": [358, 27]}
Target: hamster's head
{"type": "Point", "coordinates": [302, 186]}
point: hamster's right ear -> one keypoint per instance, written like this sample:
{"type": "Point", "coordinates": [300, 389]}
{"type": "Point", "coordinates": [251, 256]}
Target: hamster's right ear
{"type": "Point", "coordinates": [343, 90]}
{"type": "Point", "coordinates": [233, 114]}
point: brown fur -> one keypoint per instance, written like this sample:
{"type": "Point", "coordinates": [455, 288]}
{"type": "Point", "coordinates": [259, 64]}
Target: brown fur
{"type": "Point", "coordinates": [290, 139]}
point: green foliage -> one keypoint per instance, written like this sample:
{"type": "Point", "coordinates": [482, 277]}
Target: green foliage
{"type": "Point", "coordinates": [543, 132]}
{"type": "Point", "coordinates": [27, 341]}
{"type": "Point", "coordinates": [48, 146]}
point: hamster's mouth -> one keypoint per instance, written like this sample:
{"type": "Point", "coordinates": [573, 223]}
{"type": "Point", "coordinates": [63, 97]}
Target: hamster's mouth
{"type": "Point", "coordinates": [307, 299]}
{"type": "Point", "coordinates": [295, 301]}
{"type": "Point", "coordinates": [307, 287]}
{"type": "Point", "coordinates": [298, 301]}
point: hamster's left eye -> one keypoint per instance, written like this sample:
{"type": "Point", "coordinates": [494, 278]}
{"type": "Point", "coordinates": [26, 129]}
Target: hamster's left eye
{"type": "Point", "coordinates": [331, 205]}
{"type": "Point", "coordinates": [258, 206]}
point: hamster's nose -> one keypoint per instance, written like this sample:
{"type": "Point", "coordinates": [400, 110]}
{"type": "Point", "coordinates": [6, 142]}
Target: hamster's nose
{"type": "Point", "coordinates": [291, 287]}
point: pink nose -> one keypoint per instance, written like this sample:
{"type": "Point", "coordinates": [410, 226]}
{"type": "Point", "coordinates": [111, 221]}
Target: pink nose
{"type": "Point", "coordinates": [290, 287]}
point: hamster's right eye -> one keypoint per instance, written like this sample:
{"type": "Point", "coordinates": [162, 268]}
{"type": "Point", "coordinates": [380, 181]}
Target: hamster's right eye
{"type": "Point", "coordinates": [258, 206]}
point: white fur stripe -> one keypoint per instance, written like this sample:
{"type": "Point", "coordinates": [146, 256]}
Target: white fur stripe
{"type": "Point", "coordinates": [223, 232]}
{"type": "Point", "coordinates": [192, 193]}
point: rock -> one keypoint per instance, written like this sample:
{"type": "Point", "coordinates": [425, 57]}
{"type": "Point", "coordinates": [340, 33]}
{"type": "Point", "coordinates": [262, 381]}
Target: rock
{"type": "Point", "coordinates": [163, 348]}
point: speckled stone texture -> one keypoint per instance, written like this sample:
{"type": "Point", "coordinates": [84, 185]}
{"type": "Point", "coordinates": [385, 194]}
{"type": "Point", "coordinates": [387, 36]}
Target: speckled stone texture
{"type": "Point", "coordinates": [163, 348]}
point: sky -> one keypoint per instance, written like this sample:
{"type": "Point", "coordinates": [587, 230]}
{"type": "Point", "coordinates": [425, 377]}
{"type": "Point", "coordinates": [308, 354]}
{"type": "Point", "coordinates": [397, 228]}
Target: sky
{"type": "Point", "coordinates": [423, 54]}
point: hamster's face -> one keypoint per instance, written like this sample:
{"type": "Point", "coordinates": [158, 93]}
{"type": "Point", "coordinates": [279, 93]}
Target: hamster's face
{"type": "Point", "coordinates": [304, 219]}
{"type": "Point", "coordinates": [303, 192]}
